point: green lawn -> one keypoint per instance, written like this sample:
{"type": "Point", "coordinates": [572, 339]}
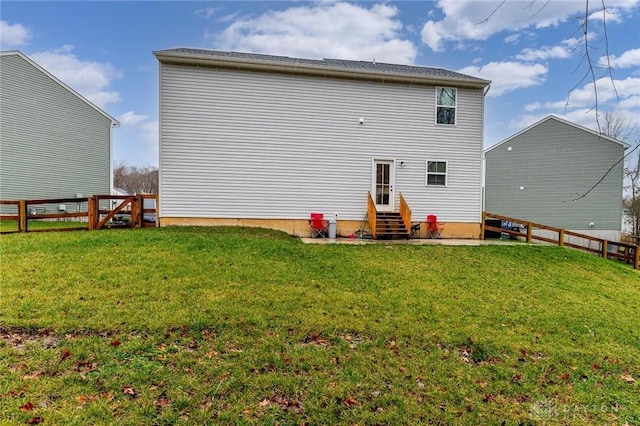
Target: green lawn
{"type": "Point", "coordinates": [40, 225]}
{"type": "Point", "coordinates": [245, 326]}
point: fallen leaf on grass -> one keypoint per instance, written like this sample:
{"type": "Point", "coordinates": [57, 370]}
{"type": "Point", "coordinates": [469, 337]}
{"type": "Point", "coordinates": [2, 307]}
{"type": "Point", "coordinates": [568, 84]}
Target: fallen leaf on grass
{"type": "Point", "coordinates": [264, 403]}
{"type": "Point", "coordinates": [115, 342]}
{"type": "Point", "coordinates": [162, 401]}
{"type": "Point", "coordinates": [131, 392]}
{"type": "Point", "coordinates": [627, 378]}
{"type": "Point", "coordinates": [316, 339]}
{"type": "Point", "coordinates": [82, 400]}
{"type": "Point", "coordinates": [34, 375]}
{"type": "Point", "coordinates": [596, 366]}
{"type": "Point", "coordinates": [350, 402]}
{"type": "Point", "coordinates": [66, 353]}
{"type": "Point", "coordinates": [35, 420]}
{"type": "Point", "coordinates": [13, 394]}
{"type": "Point", "coordinates": [84, 366]}
{"type": "Point", "coordinates": [27, 407]}
{"type": "Point", "coordinates": [564, 376]}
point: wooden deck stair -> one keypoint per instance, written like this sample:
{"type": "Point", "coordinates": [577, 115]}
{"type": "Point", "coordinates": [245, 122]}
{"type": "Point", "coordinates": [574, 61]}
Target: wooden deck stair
{"type": "Point", "coordinates": [390, 226]}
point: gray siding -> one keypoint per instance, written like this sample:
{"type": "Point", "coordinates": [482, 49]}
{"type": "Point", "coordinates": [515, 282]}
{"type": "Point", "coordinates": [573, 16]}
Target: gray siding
{"type": "Point", "coordinates": [238, 144]}
{"type": "Point", "coordinates": [555, 162]}
{"type": "Point", "coordinates": [52, 143]}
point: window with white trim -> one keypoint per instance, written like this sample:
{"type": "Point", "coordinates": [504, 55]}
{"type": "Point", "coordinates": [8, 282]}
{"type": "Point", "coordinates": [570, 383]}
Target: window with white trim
{"type": "Point", "coordinates": [436, 173]}
{"type": "Point", "coordinates": [446, 100]}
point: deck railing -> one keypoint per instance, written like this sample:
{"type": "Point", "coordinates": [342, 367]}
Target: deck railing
{"type": "Point", "coordinates": [405, 213]}
{"type": "Point", "coordinates": [371, 215]}
{"type": "Point", "coordinates": [626, 252]}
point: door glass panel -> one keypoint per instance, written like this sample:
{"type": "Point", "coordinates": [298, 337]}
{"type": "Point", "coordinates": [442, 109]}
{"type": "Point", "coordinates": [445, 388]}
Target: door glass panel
{"type": "Point", "coordinates": [383, 172]}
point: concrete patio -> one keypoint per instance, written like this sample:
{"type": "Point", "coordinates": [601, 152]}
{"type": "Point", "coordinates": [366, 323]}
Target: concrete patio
{"type": "Point", "coordinates": [419, 242]}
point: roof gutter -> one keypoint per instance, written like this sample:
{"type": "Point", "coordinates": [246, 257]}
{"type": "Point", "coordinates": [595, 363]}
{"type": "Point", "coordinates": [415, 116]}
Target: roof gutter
{"type": "Point", "coordinates": [311, 69]}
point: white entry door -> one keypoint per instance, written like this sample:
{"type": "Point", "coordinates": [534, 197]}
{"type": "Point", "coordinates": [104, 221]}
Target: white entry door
{"type": "Point", "coordinates": [383, 181]}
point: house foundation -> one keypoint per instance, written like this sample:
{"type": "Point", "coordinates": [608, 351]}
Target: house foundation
{"type": "Point", "coordinates": [301, 228]}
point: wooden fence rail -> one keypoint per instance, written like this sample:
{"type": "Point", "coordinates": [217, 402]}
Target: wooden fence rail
{"type": "Point", "coordinates": [626, 252]}
{"type": "Point", "coordinates": [95, 216]}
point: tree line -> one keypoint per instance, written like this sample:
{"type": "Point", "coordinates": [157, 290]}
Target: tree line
{"type": "Point", "coordinates": [136, 179]}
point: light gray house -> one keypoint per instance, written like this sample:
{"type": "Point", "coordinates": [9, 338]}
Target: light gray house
{"type": "Point", "coordinates": [542, 173]}
{"type": "Point", "coordinates": [53, 142]}
{"type": "Point", "coordinates": [259, 140]}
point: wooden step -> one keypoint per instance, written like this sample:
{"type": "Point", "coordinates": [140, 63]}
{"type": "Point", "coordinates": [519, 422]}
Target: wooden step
{"type": "Point", "coordinates": [389, 226]}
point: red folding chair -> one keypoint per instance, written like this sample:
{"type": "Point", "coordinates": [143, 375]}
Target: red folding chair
{"type": "Point", "coordinates": [434, 228]}
{"type": "Point", "coordinates": [318, 225]}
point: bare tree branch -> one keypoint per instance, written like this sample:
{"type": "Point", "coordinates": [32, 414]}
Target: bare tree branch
{"type": "Point", "coordinates": [484, 21]}
{"type": "Point", "coordinates": [591, 66]}
{"type": "Point", "coordinates": [589, 48]}
{"type": "Point", "coordinates": [530, 5]}
{"type": "Point", "coordinates": [581, 196]}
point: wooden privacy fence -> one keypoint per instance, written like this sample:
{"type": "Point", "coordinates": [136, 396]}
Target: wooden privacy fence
{"type": "Point", "coordinates": [626, 252]}
{"type": "Point", "coordinates": [98, 211]}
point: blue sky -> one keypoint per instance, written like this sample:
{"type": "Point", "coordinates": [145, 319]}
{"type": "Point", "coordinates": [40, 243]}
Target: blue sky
{"type": "Point", "coordinates": [533, 51]}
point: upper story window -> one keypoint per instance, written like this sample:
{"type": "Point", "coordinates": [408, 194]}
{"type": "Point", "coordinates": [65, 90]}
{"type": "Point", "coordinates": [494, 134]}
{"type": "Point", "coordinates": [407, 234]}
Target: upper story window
{"type": "Point", "coordinates": [436, 173]}
{"type": "Point", "coordinates": [446, 105]}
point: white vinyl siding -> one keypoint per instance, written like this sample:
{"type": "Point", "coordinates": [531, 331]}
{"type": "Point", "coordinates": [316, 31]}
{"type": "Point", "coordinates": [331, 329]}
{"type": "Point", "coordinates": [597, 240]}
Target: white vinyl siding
{"type": "Point", "coordinates": [52, 143]}
{"type": "Point", "coordinates": [239, 144]}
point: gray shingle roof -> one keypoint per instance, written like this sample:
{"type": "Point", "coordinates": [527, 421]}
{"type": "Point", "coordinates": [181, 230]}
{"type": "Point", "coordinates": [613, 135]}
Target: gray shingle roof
{"type": "Point", "coordinates": [336, 64]}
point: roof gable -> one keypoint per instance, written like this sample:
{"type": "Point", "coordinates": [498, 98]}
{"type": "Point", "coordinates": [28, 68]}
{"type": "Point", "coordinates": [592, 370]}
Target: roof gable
{"type": "Point", "coordinates": [336, 67]}
{"type": "Point", "coordinates": [24, 57]}
{"type": "Point", "coordinates": [560, 120]}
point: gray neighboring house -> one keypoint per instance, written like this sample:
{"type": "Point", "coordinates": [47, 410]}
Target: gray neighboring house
{"type": "Point", "coordinates": [54, 143]}
{"type": "Point", "coordinates": [537, 174]}
{"type": "Point", "coordinates": [260, 140]}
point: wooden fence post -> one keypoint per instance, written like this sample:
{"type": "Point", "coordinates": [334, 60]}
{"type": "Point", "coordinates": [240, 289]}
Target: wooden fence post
{"type": "Point", "coordinates": [482, 225]}
{"type": "Point", "coordinates": [529, 232]}
{"type": "Point", "coordinates": [137, 207]}
{"type": "Point", "coordinates": [605, 249]}
{"type": "Point", "coordinates": [22, 216]}
{"type": "Point", "coordinates": [636, 261]}
{"type": "Point", "coordinates": [157, 205]}
{"type": "Point", "coordinates": [92, 212]}
{"type": "Point", "coordinates": [561, 238]}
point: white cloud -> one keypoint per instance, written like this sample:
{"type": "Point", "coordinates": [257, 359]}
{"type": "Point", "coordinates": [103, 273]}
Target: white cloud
{"type": "Point", "coordinates": [89, 78]}
{"type": "Point", "coordinates": [562, 51]}
{"type": "Point", "coordinates": [150, 135]}
{"type": "Point", "coordinates": [513, 38]}
{"type": "Point", "coordinates": [136, 141]}
{"type": "Point", "coordinates": [208, 12]}
{"type": "Point", "coordinates": [324, 30]}
{"type": "Point", "coordinates": [607, 91]}
{"type": "Point", "coordinates": [13, 35]}
{"type": "Point", "coordinates": [616, 10]}
{"type": "Point", "coordinates": [533, 106]}
{"type": "Point", "coordinates": [508, 76]}
{"type": "Point", "coordinates": [479, 20]}
{"type": "Point", "coordinates": [151, 130]}
{"type": "Point", "coordinates": [580, 108]}
{"type": "Point", "coordinates": [629, 59]}
{"type": "Point", "coordinates": [130, 118]}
